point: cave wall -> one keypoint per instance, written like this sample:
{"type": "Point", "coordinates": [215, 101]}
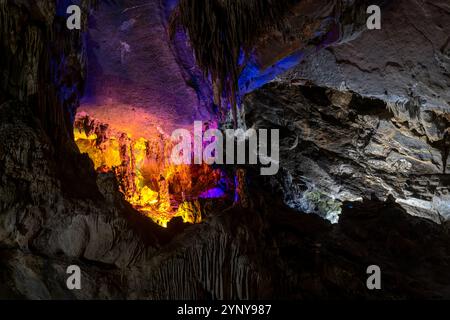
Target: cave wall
{"type": "Point", "coordinates": [55, 211]}
{"type": "Point", "coordinates": [309, 27]}
{"type": "Point", "coordinates": [50, 203]}
{"type": "Point", "coordinates": [339, 146]}
{"type": "Point", "coordinates": [406, 64]}
{"type": "Point", "coordinates": [368, 109]}
{"type": "Point", "coordinates": [43, 63]}
{"type": "Point", "coordinates": [139, 81]}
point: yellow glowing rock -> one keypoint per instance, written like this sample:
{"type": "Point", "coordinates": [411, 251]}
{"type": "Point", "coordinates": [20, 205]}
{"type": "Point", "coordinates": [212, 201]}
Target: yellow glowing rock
{"type": "Point", "coordinates": [140, 151]}
{"type": "Point", "coordinates": [190, 212]}
{"type": "Point", "coordinates": [148, 196]}
{"type": "Point", "coordinates": [146, 163]}
{"type": "Point", "coordinates": [81, 134]}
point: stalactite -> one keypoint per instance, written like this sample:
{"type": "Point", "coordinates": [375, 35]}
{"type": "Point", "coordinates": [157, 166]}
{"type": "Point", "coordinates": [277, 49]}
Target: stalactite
{"type": "Point", "coordinates": [221, 32]}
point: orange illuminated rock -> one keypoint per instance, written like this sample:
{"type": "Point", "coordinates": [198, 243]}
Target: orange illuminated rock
{"type": "Point", "coordinates": [147, 178]}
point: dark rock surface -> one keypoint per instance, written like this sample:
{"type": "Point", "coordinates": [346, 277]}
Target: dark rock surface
{"type": "Point", "coordinates": [338, 145]}
{"type": "Point", "coordinates": [376, 114]}
{"type": "Point", "coordinates": [406, 64]}
{"type": "Point", "coordinates": [134, 74]}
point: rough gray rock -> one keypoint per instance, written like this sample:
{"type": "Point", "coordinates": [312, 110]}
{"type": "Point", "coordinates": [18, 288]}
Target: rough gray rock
{"type": "Point", "coordinates": [406, 64]}
{"type": "Point", "coordinates": [338, 146]}
{"type": "Point", "coordinates": [381, 123]}
{"type": "Point", "coordinates": [55, 211]}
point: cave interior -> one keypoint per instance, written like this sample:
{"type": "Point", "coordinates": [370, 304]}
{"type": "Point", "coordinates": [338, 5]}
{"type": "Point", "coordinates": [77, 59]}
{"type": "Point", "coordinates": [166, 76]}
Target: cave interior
{"type": "Point", "coordinates": [86, 123]}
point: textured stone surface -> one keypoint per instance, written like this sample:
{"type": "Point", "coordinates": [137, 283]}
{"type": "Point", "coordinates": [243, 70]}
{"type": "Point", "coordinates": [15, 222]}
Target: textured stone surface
{"type": "Point", "coordinates": [406, 64]}
{"type": "Point", "coordinates": [56, 211]}
{"type": "Point", "coordinates": [401, 134]}
{"type": "Point", "coordinates": [262, 252]}
{"type": "Point", "coordinates": [339, 146]}
{"type": "Point", "coordinates": [136, 81]}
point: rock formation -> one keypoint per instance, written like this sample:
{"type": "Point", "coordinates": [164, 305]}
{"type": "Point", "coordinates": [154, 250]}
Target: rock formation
{"type": "Point", "coordinates": [364, 126]}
